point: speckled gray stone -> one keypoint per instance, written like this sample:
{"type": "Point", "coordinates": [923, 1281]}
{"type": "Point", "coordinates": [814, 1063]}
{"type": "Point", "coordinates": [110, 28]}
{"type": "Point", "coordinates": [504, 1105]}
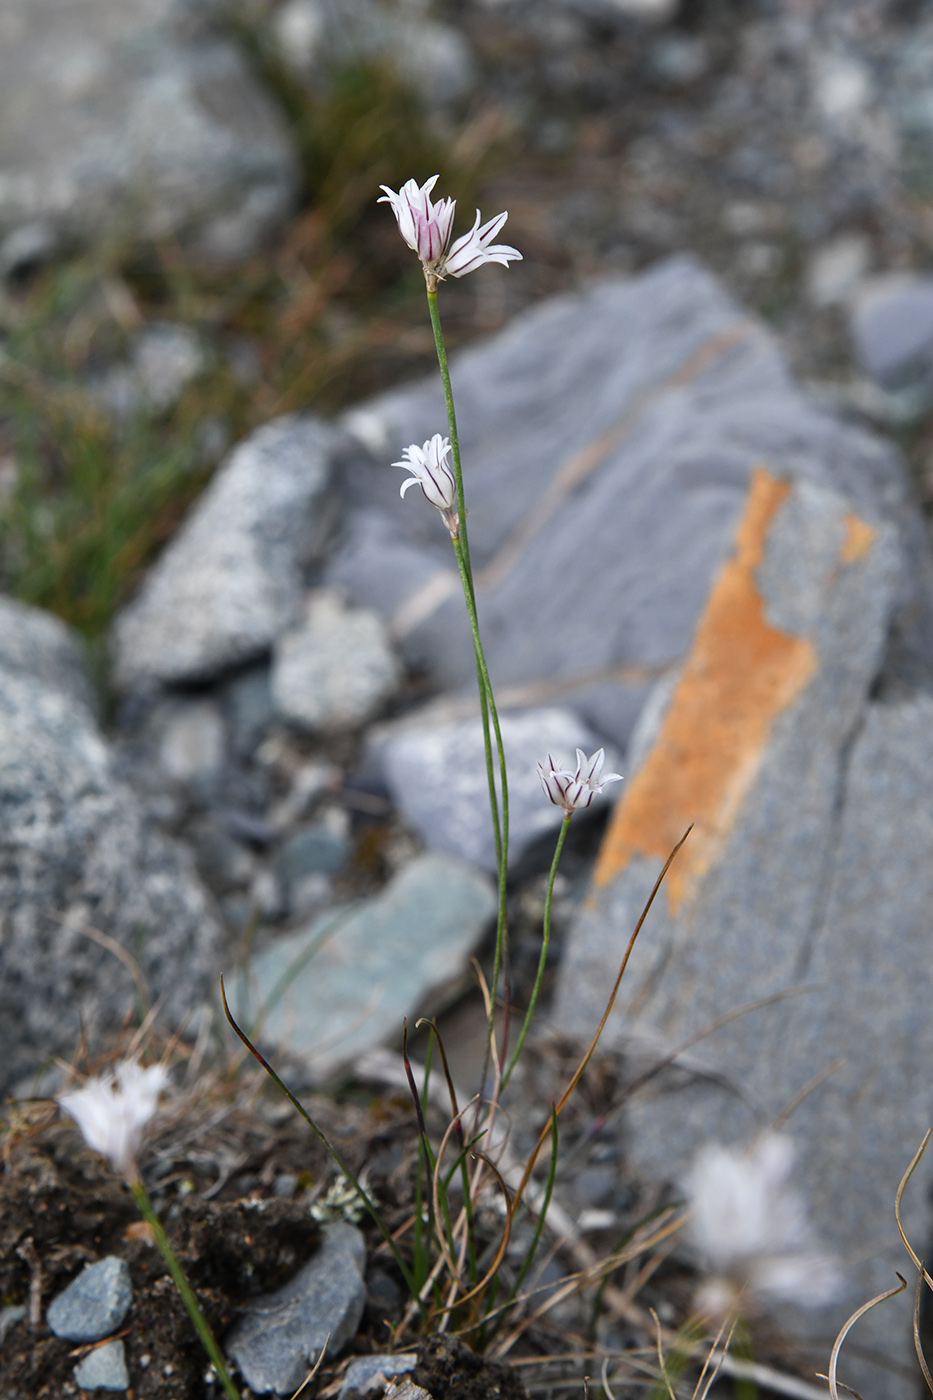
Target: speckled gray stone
{"type": "Point", "coordinates": [230, 582]}
{"type": "Point", "coordinates": [36, 643]}
{"type": "Point", "coordinates": [104, 1368]}
{"type": "Point", "coordinates": [115, 117]}
{"type": "Point", "coordinates": [76, 850]}
{"type": "Point", "coordinates": [344, 984]}
{"type": "Point", "coordinates": [437, 776]}
{"type": "Point", "coordinates": [607, 439]}
{"type": "Point", "coordinates": [371, 1372]}
{"type": "Point", "coordinates": [279, 1337]}
{"type": "Point", "coordinates": [337, 669]}
{"type": "Point", "coordinates": [94, 1304]}
{"type": "Point", "coordinates": [822, 879]}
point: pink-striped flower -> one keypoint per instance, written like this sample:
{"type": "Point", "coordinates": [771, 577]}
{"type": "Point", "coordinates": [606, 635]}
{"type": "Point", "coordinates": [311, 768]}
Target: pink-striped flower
{"type": "Point", "coordinates": [427, 227]}
{"type": "Point", "coordinates": [431, 471]}
{"type": "Point", "coordinates": [574, 790]}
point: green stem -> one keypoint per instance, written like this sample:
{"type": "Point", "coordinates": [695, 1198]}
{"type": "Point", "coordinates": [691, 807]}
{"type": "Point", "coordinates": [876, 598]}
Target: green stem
{"type": "Point", "coordinates": [485, 685]}
{"type": "Point", "coordinates": [487, 699]}
{"type": "Point", "coordinates": [545, 940]}
{"type": "Point", "coordinates": [184, 1287]}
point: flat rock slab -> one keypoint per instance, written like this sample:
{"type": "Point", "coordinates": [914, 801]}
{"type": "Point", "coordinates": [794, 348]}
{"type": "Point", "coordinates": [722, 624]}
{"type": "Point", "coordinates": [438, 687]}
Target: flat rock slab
{"type": "Point", "coordinates": [608, 437]}
{"type": "Point", "coordinates": [344, 984]}
{"type": "Point", "coordinates": [280, 1337]}
{"type": "Point", "coordinates": [808, 866]}
{"type": "Point", "coordinates": [78, 857]}
{"type": "Point", "coordinates": [114, 114]}
{"type": "Point", "coordinates": [436, 773]}
{"type": "Point", "coordinates": [231, 581]}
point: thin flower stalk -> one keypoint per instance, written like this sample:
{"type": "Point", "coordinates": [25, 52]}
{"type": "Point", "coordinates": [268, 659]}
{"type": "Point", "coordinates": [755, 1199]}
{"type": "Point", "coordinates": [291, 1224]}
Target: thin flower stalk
{"type": "Point", "coordinates": [545, 943]}
{"type": "Point", "coordinates": [112, 1112]}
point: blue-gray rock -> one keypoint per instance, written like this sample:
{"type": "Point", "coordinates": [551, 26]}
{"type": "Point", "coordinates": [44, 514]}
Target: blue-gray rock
{"type": "Point", "coordinates": [36, 643]}
{"type": "Point", "coordinates": [372, 1372]}
{"type": "Point", "coordinates": [316, 849]}
{"type": "Point", "coordinates": [104, 1368]}
{"type": "Point", "coordinates": [94, 1304]}
{"type": "Point", "coordinates": [114, 117]}
{"type": "Point", "coordinates": [892, 327]}
{"type": "Point", "coordinates": [9, 1317]}
{"type": "Point", "coordinates": [230, 582]}
{"type": "Point", "coordinates": [608, 438]}
{"type": "Point", "coordinates": [808, 866]}
{"type": "Point", "coordinates": [337, 669]}
{"type": "Point", "coordinates": [280, 1337]}
{"type": "Point", "coordinates": [436, 774]}
{"type": "Point", "coordinates": [345, 983]}
{"type": "Point", "coordinates": [77, 854]}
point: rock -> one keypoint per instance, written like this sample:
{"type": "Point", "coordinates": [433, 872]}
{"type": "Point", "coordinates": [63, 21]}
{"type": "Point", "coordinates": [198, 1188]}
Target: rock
{"type": "Point", "coordinates": [280, 1337]}
{"type": "Point", "coordinates": [837, 268]}
{"type": "Point", "coordinates": [891, 325]}
{"type": "Point", "coordinates": [319, 849]}
{"type": "Point", "coordinates": [113, 116]}
{"type": "Point", "coordinates": [77, 853]}
{"type": "Point", "coordinates": [436, 774]}
{"type": "Point", "coordinates": [249, 708]}
{"type": "Point", "coordinates": [343, 984]}
{"type": "Point", "coordinates": [808, 866]}
{"type": "Point", "coordinates": [94, 1304]}
{"type": "Point", "coordinates": [230, 582]}
{"type": "Point", "coordinates": [315, 37]}
{"type": "Point", "coordinates": [372, 1373]}
{"type": "Point", "coordinates": [9, 1317]}
{"type": "Point", "coordinates": [608, 438]}
{"type": "Point", "coordinates": [336, 670]}
{"type": "Point", "coordinates": [104, 1368]}
{"type": "Point", "coordinates": [193, 741]}
{"type": "Point", "coordinates": [38, 644]}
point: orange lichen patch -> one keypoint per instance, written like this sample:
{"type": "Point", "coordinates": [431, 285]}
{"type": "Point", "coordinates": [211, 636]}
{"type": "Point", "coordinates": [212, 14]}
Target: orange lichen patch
{"type": "Point", "coordinates": [740, 675]}
{"type": "Point", "coordinates": [858, 541]}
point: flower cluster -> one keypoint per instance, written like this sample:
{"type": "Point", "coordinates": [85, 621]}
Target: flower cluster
{"type": "Point", "coordinates": [113, 1110]}
{"type": "Point", "coordinates": [431, 471]}
{"type": "Point", "coordinates": [751, 1229]}
{"type": "Point", "coordinates": [427, 227]}
{"type": "Point", "coordinates": [574, 790]}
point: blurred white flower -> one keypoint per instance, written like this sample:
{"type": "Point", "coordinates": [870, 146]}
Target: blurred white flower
{"type": "Point", "coordinates": [574, 790]}
{"type": "Point", "coordinates": [426, 228]}
{"type": "Point", "coordinates": [751, 1228]}
{"type": "Point", "coordinates": [112, 1111]}
{"type": "Point", "coordinates": [431, 471]}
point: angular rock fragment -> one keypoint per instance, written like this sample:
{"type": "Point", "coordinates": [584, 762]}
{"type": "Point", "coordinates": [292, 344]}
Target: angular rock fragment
{"type": "Point", "coordinates": [94, 1304]}
{"type": "Point", "coordinates": [344, 984]}
{"type": "Point", "coordinates": [279, 1337]}
{"type": "Point", "coordinates": [608, 437]}
{"type": "Point", "coordinates": [436, 774]}
{"type": "Point", "coordinates": [230, 582]}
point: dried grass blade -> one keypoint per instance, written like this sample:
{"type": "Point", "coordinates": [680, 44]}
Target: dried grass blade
{"type": "Point", "coordinates": [918, 1345]}
{"type": "Point", "coordinates": [860, 1312]}
{"type": "Point", "coordinates": [897, 1207]}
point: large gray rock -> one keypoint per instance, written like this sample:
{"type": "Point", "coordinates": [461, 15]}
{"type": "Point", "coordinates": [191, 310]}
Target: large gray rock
{"type": "Point", "coordinates": [230, 582]}
{"type": "Point", "coordinates": [607, 440]}
{"type": "Point", "coordinates": [436, 774]}
{"type": "Point", "coordinates": [344, 984]}
{"type": "Point", "coordinates": [113, 113]}
{"type": "Point", "coordinates": [280, 1337]}
{"type": "Point", "coordinates": [808, 865]}
{"type": "Point", "coordinates": [77, 855]}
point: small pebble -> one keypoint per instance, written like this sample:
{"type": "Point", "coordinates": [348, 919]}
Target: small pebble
{"type": "Point", "coordinates": [94, 1304]}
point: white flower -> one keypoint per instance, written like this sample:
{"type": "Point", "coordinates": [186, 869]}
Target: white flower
{"type": "Point", "coordinates": [427, 227]}
{"type": "Point", "coordinates": [431, 471]}
{"type": "Point", "coordinates": [113, 1110]}
{"type": "Point", "coordinates": [751, 1228]}
{"type": "Point", "coordinates": [575, 790]}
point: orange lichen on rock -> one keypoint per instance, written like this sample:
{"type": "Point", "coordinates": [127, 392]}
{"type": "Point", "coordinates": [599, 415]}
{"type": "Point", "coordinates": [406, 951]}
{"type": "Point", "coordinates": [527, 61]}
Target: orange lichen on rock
{"type": "Point", "coordinates": [859, 539]}
{"type": "Point", "coordinates": [741, 673]}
